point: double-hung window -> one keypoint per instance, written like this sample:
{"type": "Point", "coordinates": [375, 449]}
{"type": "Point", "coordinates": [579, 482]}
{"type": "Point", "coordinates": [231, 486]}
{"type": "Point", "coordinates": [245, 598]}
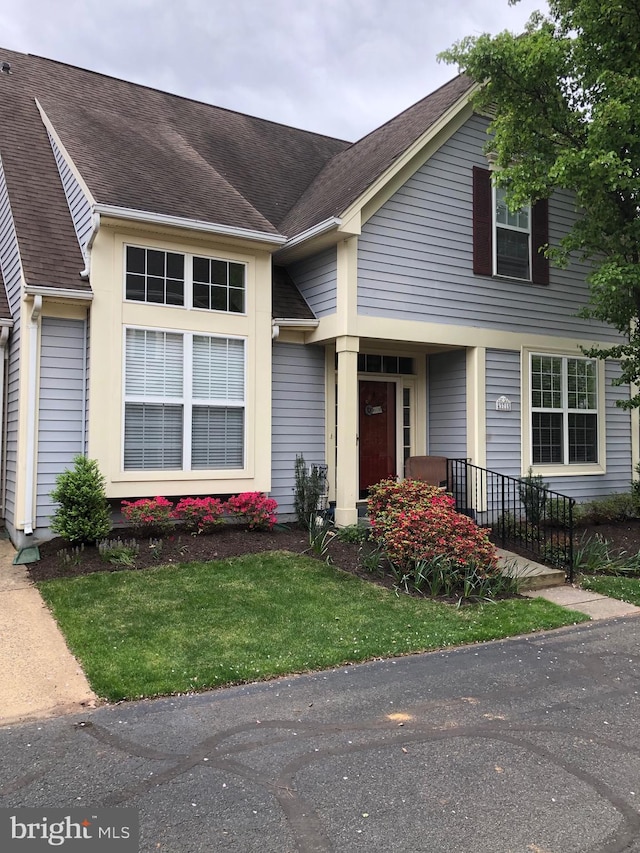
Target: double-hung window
{"type": "Point", "coordinates": [513, 239]}
{"type": "Point", "coordinates": [507, 243]}
{"type": "Point", "coordinates": [564, 410]}
{"type": "Point", "coordinates": [184, 401]}
{"type": "Point", "coordinates": [184, 280]}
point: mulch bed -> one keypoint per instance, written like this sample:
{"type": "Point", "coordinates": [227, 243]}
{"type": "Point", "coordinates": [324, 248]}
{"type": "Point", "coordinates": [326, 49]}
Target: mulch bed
{"type": "Point", "coordinates": [235, 540]}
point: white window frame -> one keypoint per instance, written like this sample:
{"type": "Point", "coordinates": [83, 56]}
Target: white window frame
{"type": "Point", "coordinates": [565, 468]}
{"type": "Point", "coordinates": [496, 225]}
{"type": "Point", "coordinates": [188, 280]}
{"type": "Point", "coordinates": [187, 401]}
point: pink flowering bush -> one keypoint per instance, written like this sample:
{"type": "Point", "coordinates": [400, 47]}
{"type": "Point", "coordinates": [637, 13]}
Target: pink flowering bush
{"type": "Point", "coordinates": [255, 509]}
{"type": "Point", "coordinates": [199, 515]}
{"type": "Point", "coordinates": [415, 523]}
{"type": "Point", "coordinates": [150, 516]}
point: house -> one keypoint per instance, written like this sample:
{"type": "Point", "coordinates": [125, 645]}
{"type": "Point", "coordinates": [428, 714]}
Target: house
{"type": "Point", "coordinates": [195, 296]}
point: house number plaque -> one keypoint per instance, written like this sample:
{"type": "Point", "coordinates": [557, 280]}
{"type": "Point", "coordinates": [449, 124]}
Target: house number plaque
{"type": "Point", "coordinates": [503, 404]}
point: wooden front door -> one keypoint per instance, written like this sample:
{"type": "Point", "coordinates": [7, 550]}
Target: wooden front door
{"type": "Point", "coordinates": [377, 432]}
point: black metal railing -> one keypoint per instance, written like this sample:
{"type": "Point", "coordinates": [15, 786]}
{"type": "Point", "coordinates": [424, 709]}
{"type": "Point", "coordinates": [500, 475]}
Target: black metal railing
{"type": "Point", "coordinates": [522, 512]}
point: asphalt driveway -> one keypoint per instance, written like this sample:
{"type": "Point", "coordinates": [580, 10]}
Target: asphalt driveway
{"type": "Point", "coordinates": [529, 744]}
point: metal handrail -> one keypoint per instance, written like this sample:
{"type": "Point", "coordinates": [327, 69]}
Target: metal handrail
{"type": "Point", "coordinates": [522, 512]}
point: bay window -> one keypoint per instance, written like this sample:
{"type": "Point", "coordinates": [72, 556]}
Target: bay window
{"type": "Point", "coordinates": [184, 401]}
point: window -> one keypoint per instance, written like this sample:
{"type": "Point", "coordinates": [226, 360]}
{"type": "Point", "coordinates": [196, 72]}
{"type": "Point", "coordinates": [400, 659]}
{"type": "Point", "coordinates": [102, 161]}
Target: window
{"type": "Point", "coordinates": [218, 285]}
{"type": "Point", "coordinates": [184, 401]}
{"type": "Point", "coordinates": [504, 243]}
{"type": "Point", "coordinates": [513, 245]}
{"type": "Point", "coordinates": [564, 410]}
{"type": "Point", "coordinates": [154, 276]}
{"type": "Point", "coordinates": [192, 281]}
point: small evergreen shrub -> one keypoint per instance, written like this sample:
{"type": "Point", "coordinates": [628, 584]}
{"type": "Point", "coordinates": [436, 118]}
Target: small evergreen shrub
{"type": "Point", "coordinates": [611, 508]}
{"type": "Point", "coordinates": [83, 514]}
{"type": "Point", "coordinates": [149, 516]}
{"type": "Point", "coordinates": [199, 515]}
{"type": "Point", "coordinates": [255, 509]}
{"type": "Point", "coordinates": [533, 495]}
{"type": "Point", "coordinates": [309, 489]}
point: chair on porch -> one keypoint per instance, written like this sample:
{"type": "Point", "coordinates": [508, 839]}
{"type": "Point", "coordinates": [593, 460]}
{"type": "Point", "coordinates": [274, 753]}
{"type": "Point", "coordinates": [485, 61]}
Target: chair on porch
{"type": "Point", "coordinates": [429, 469]}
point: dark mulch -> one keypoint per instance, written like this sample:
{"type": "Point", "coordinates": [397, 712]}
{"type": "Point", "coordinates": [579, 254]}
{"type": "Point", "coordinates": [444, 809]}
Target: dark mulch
{"type": "Point", "coordinates": [58, 560]}
{"type": "Point", "coordinates": [234, 540]}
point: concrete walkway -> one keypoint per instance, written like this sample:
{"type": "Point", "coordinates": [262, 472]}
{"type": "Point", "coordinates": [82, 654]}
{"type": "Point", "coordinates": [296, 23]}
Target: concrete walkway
{"type": "Point", "coordinates": [592, 603]}
{"type": "Point", "coordinates": [39, 675]}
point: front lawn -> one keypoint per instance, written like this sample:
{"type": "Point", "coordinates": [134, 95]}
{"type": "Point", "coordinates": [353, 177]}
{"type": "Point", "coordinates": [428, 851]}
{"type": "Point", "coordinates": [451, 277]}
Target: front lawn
{"type": "Point", "coordinates": [626, 589]}
{"type": "Point", "coordinates": [189, 627]}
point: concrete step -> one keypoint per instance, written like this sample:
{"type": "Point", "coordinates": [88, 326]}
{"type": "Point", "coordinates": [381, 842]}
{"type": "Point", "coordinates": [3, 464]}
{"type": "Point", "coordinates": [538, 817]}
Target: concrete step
{"type": "Point", "coordinates": [530, 574]}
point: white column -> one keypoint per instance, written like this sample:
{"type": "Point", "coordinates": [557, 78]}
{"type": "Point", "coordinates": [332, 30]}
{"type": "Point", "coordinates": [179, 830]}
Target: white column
{"type": "Point", "coordinates": [347, 490]}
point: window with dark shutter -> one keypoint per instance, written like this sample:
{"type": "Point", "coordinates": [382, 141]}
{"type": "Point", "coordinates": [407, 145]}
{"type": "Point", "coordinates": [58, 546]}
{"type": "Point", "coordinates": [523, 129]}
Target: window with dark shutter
{"type": "Point", "coordinates": [516, 236]}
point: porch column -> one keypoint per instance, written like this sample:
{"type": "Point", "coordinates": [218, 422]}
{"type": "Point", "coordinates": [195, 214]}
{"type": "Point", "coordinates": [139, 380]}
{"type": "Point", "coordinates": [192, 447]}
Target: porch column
{"type": "Point", "coordinates": [347, 491]}
{"type": "Point", "coordinates": [477, 406]}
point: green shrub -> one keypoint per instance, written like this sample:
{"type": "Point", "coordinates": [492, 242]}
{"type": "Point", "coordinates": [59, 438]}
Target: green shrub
{"type": "Point", "coordinates": [309, 489]}
{"type": "Point", "coordinates": [533, 495]}
{"type": "Point", "coordinates": [608, 509]}
{"type": "Point", "coordinates": [83, 514]}
{"type": "Point", "coordinates": [352, 533]}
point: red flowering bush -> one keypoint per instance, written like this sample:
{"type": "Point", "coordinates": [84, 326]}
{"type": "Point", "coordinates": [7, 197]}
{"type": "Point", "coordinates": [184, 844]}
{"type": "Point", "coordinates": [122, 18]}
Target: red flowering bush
{"type": "Point", "coordinates": [255, 509]}
{"type": "Point", "coordinates": [150, 516]}
{"type": "Point", "coordinates": [199, 515]}
{"type": "Point", "coordinates": [414, 522]}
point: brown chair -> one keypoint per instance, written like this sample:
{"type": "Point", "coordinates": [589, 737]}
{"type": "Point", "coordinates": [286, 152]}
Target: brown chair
{"type": "Point", "coordinates": [429, 469]}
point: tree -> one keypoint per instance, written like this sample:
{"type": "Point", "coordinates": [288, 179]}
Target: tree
{"type": "Point", "coordinates": [566, 99]}
{"type": "Point", "coordinates": [83, 514]}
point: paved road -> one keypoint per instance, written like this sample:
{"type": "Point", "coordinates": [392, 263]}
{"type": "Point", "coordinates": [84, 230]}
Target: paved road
{"type": "Point", "coordinates": [528, 745]}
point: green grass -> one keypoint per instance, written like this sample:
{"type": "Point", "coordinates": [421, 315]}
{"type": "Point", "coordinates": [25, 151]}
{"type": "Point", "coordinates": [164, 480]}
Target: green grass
{"type": "Point", "coordinates": [626, 589]}
{"type": "Point", "coordinates": [175, 629]}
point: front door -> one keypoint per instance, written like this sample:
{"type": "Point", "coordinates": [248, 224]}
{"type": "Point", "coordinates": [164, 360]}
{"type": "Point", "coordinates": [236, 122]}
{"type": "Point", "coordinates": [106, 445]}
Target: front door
{"type": "Point", "coordinates": [377, 433]}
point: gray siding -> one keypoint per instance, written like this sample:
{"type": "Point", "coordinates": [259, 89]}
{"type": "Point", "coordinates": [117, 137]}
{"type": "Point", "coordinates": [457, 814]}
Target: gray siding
{"type": "Point", "coordinates": [415, 256]}
{"type": "Point", "coordinates": [503, 428]}
{"type": "Point", "coordinates": [298, 415]}
{"type": "Point", "coordinates": [61, 426]}
{"type": "Point", "coordinates": [503, 431]}
{"type": "Point", "coordinates": [12, 275]}
{"type": "Point", "coordinates": [79, 204]}
{"type": "Point", "coordinates": [316, 280]}
{"type": "Point", "coordinates": [447, 405]}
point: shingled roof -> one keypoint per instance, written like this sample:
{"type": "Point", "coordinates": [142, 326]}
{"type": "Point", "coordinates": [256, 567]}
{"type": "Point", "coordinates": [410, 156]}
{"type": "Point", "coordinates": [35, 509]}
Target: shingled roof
{"type": "Point", "coordinates": [143, 149]}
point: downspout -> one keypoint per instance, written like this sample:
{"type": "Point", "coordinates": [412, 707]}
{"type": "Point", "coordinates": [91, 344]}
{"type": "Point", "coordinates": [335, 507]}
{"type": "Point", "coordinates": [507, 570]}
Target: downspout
{"type": "Point", "coordinates": [32, 394]}
{"type": "Point", "coordinates": [95, 227]}
{"type": "Point", "coordinates": [4, 339]}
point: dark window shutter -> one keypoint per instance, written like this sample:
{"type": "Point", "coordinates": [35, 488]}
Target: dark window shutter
{"type": "Point", "coordinates": [482, 222]}
{"type": "Point", "coordinates": [539, 237]}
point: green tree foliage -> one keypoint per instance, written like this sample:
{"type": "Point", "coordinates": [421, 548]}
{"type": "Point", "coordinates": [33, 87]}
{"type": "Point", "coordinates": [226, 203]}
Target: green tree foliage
{"type": "Point", "coordinates": [566, 99]}
{"type": "Point", "coordinates": [83, 514]}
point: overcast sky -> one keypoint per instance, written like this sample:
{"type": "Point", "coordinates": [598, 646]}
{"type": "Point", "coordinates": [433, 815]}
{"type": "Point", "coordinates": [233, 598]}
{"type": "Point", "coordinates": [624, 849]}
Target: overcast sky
{"type": "Point", "coordinates": [340, 67]}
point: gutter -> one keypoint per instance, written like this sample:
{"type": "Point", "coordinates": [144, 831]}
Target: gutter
{"type": "Point", "coordinates": [314, 231]}
{"type": "Point", "coordinates": [32, 391]}
{"type": "Point", "coordinates": [42, 290]}
{"type": "Point", "coordinates": [95, 227]}
{"type": "Point", "coordinates": [192, 224]}
{"type": "Point", "coordinates": [283, 323]}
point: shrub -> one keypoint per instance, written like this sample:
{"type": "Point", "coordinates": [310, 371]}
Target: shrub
{"type": "Point", "coordinates": [199, 515]}
{"type": "Point", "coordinates": [618, 507]}
{"type": "Point", "coordinates": [149, 516]}
{"type": "Point", "coordinates": [533, 494]}
{"type": "Point", "coordinates": [352, 533]}
{"type": "Point", "coordinates": [309, 489]}
{"type": "Point", "coordinates": [83, 514]}
{"type": "Point", "coordinates": [416, 522]}
{"type": "Point", "coordinates": [255, 509]}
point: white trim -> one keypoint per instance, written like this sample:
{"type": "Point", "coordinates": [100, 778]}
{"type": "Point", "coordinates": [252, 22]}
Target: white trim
{"type": "Point", "coordinates": [293, 323]}
{"type": "Point", "coordinates": [147, 216]}
{"type": "Point", "coordinates": [314, 231]}
{"type": "Point", "coordinates": [57, 292]}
